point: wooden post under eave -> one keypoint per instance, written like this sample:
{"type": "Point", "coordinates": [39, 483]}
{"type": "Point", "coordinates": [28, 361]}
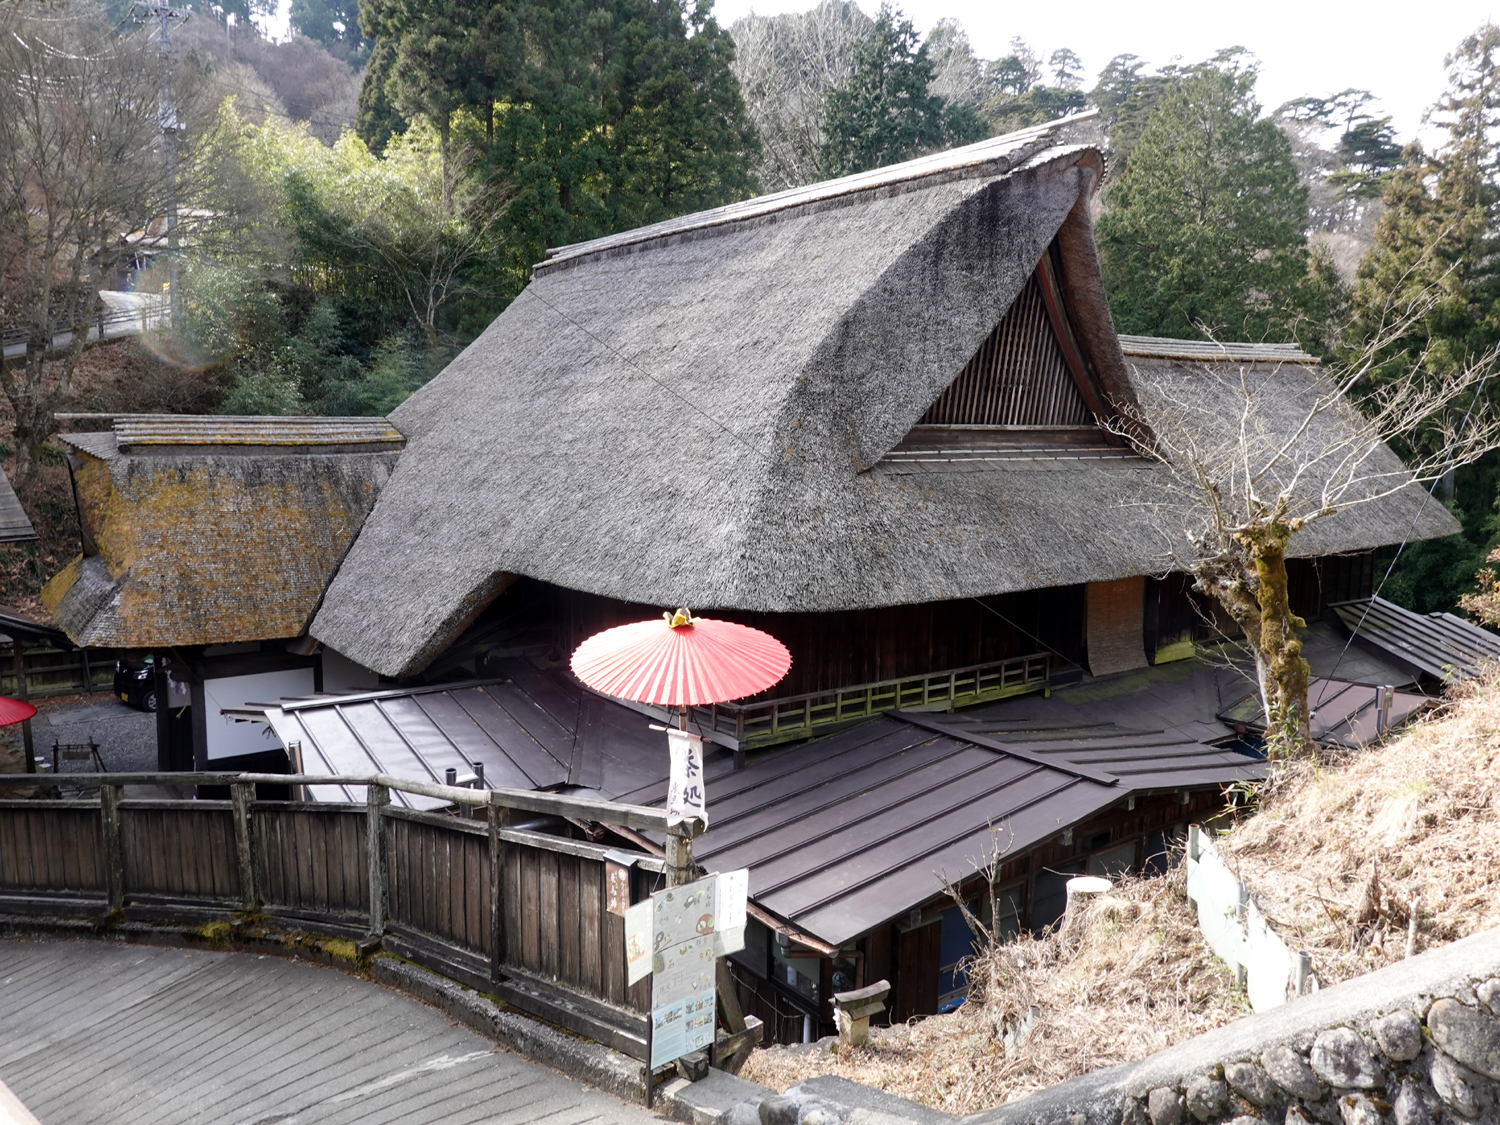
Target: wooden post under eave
{"type": "Point", "coordinates": [498, 816]}
{"type": "Point", "coordinates": [21, 694]}
{"type": "Point", "coordinates": [376, 798]}
{"type": "Point", "coordinates": [114, 851]}
{"type": "Point", "coordinates": [243, 792]}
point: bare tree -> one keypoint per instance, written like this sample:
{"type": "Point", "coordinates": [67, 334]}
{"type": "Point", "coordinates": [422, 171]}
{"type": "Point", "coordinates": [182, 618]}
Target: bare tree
{"type": "Point", "coordinates": [786, 65]}
{"type": "Point", "coordinates": [1256, 453]}
{"type": "Point", "coordinates": [83, 119]}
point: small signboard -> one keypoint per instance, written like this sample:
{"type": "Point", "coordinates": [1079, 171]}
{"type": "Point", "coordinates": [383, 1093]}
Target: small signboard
{"type": "Point", "coordinates": [616, 888]}
{"type": "Point", "coordinates": [638, 941]}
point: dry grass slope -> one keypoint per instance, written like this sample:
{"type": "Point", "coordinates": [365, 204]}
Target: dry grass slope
{"type": "Point", "coordinates": [1129, 977]}
{"type": "Point", "coordinates": [1336, 855]}
{"type": "Point", "coordinates": [1341, 848]}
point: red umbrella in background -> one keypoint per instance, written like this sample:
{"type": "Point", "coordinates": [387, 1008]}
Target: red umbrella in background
{"type": "Point", "coordinates": [681, 661]}
{"type": "Point", "coordinates": [14, 711]}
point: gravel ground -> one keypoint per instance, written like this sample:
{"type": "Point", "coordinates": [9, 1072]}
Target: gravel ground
{"type": "Point", "coordinates": [126, 737]}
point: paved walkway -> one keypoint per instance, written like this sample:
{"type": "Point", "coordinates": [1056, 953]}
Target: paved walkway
{"type": "Point", "coordinates": [96, 1032]}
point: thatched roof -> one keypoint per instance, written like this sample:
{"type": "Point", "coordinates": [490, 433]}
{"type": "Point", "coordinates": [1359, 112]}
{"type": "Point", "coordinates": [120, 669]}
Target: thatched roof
{"type": "Point", "coordinates": [216, 530]}
{"type": "Point", "coordinates": [699, 413]}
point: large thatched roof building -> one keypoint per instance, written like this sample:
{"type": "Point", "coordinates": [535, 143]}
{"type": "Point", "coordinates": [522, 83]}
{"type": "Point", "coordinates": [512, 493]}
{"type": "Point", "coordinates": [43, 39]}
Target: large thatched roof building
{"type": "Point", "coordinates": [773, 407]}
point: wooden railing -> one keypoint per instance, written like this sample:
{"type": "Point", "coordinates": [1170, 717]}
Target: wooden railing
{"type": "Point", "coordinates": [514, 912]}
{"type": "Point", "coordinates": [798, 716]}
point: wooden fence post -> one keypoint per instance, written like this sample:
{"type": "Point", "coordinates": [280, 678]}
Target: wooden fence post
{"type": "Point", "coordinates": [243, 793]}
{"type": "Point", "coordinates": [114, 851]}
{"type": "Point", "coordinates": [377, 797]}
{"type": "Point", "coordinates": [499, 816]}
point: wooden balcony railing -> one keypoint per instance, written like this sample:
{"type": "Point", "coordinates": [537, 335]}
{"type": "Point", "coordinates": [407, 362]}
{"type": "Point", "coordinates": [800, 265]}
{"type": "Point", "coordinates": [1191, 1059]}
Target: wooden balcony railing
{"type": "Point", "coordinates": [746, 726]}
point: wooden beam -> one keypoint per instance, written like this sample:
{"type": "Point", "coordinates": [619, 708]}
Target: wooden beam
{"type": "Point", "coordinates": [377, 797]}
{"type": "Point", "coordinates": [114, 852]}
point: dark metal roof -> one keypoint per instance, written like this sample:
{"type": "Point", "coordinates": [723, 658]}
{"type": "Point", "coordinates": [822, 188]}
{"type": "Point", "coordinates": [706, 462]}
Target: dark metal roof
{"type": "Point", "coordinates": [1342, 713]}
{"type": "Point", "coordinates": [840, 834]}
{"type": "Point", "coordinates": [1137, 759]}
{"type": "Point", "coordinates": [15, 525]}
{"type": "Point", "coordinates": [846, 832]}
{"type": "Point", "coordinates": [1439, 645]}
{"type": "Point", "coordinates": [531, 730]}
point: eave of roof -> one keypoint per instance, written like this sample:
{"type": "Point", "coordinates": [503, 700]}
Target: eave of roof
{"type": "Point", "coordinates": [1441, 646]}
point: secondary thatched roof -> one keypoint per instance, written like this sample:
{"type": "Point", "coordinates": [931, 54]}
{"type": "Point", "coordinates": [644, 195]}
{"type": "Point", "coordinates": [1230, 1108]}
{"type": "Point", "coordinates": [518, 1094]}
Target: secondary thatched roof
{"type": "Point", "coordinates": [216, 530]}
{"type": "Point", "coordinates": [696, 414]}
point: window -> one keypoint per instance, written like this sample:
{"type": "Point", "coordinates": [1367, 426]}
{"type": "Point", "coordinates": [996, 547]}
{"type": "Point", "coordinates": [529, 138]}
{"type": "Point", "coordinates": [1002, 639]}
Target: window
{"type": "Point", "coordinates": [957, 946]}
{"type": "Point", "coordinates": [803, 975]}
{"type": "Point", "coordinates": [1114, 862]}
{"type": "Point", "coordinates": [1052, 893]}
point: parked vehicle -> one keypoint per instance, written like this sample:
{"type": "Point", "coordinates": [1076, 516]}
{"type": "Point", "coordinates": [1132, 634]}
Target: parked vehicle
{"type": "Point", "coordinates": [135, 683]}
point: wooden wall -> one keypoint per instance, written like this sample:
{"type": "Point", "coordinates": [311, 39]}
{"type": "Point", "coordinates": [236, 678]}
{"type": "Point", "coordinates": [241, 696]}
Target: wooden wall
{"type": "Point", "coordinates": [834, 650]}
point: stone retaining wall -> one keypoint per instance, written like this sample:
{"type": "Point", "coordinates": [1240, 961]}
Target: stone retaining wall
{"type": "Point", "coordinates": [1416, 1043]}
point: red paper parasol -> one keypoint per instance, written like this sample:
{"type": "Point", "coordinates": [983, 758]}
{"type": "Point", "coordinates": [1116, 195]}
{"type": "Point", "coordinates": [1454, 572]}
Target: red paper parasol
{"type": "Point", "coordinates": [681, 661]}
{"type": "Point", "coordinates": [14, 711]}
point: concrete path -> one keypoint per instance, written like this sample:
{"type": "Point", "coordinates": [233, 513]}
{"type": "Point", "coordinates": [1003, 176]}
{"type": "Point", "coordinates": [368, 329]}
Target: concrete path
{"type": "Point", "coordinates": [96, 1032]}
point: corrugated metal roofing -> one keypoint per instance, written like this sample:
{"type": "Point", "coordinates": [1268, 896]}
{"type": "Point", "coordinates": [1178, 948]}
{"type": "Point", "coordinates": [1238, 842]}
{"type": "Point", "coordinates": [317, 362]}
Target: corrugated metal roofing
{"type": "Point", "coordinates": [530, 729]}
{"type": "Point", "coordinates": [1139, 759]}
{"type": "Point", "coordinates": [840, 834]}
{"type": "Point", "coordinates": [15, 526]}
{"type": "Point", "coordinates": [100, 445]}
{"type": "Point", "coordinates": [1209, 351]}
{"type": "Point", "coordinates": [1439, 645]}
{"type": "Point", "coordinates": [1342, 713]}
{"type": "Point", "coordinates": [847, 832]}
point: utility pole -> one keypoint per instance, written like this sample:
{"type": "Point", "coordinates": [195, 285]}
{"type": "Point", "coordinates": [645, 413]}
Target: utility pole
{"type": "Point", "coordinates": [164, 16]}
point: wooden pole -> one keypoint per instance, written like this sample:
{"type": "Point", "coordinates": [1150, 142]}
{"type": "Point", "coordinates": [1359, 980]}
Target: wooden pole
{"type": "Point", "coordinates": [20, 666]}
{"type": "Point", "coordinates": [376, 798]}
{"type": "Point", "coordinates": [499, 815]}
{"type": "Point", "coordinates": [114, 851]}
{"type": "Point", "coordinates": [243, 793]}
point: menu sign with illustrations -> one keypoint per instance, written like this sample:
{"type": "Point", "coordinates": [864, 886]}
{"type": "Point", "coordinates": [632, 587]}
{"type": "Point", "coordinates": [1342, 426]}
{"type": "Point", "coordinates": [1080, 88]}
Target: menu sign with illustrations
{"type": "Point", "coordinates": [691, 927]}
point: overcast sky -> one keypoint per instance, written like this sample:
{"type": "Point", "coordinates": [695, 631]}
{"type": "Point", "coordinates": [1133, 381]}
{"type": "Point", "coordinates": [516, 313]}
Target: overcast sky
{"type": "Point", "coordinates": [1304, 46]}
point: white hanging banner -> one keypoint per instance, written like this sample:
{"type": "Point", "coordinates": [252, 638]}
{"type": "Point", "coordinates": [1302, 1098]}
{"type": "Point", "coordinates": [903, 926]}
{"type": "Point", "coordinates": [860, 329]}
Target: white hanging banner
{"type": "Point", "coordinates": [686, 799]}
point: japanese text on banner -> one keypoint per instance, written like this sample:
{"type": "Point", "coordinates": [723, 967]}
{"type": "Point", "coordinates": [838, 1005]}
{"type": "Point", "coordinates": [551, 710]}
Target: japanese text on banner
{"type": "Point", "coordinates": [686, 799]}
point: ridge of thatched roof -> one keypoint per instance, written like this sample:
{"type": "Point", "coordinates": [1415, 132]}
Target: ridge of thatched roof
{"type": "Point", "coordinates": [989, 157]}
{"type": "Point", "coordinates": [1212, 351]}
{"type": "Point", "coordinates": [213, 530]}
{"type": "Point", "coordinates": [701, 415]}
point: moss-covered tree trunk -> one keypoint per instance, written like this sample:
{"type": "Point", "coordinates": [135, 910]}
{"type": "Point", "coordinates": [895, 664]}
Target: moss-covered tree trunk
{"type": "Point", "coordinates": [1249, 580]}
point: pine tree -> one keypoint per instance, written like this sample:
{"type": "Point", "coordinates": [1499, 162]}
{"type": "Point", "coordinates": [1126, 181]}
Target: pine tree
{"type": "Point", "coordinates": [1437, 251]}
{"type": "Point", "coordinates": [887, 112]}
{"type": "Point", "coordinates": [1203, 233]}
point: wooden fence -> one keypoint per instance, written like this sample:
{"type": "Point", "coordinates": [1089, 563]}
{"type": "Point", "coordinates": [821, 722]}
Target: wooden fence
{"type": "Point", "coordinates": [57, 671]}
{"type": "Point", "coordinates": [514, 912]}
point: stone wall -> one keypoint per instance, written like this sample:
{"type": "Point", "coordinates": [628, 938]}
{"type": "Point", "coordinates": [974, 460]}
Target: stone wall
{"type": "Point", "coordinates": [1416, 1043]}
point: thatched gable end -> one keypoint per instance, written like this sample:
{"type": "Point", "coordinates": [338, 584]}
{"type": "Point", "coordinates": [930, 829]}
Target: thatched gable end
{"type": "Point", "coordinates": [227, 535]}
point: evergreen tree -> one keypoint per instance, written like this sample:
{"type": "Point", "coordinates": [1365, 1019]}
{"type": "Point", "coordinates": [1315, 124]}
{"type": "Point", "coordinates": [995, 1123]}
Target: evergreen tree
{"type": "Point", "coordinates": [1204, 230]}
{"type": "Point", "coordinates": [1437, 249]}
{"type": "Point", "coordinates": [333, 23]}
{"type": "Point", "coordinates": [887, 112]}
